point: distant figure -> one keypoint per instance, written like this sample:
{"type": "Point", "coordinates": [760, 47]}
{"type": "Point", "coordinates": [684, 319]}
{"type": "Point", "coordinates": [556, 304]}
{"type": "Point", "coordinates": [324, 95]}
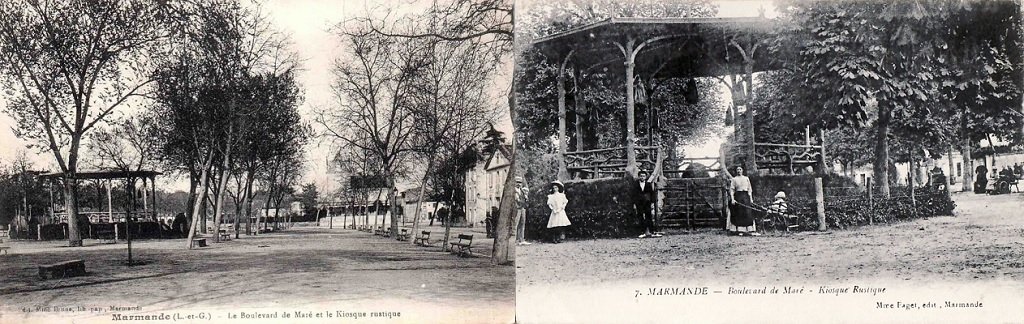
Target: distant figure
{"type": "Point", "coordinates": [522, 196]}
{"type": "Point", "coordinates": [1018, 170]}
{"type": "Point", "coordinates": [180, 224]}
{"type": "Point", "coordinates": [489, 221]}
{"type": "Point", "coordinates": [558, 219]}
{"type": "Point", "coordinates": [981, 179]}
{"type": "Point", "coordinates": [938, 179]}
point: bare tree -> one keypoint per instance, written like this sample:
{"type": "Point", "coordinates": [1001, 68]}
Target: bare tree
{"type": "Point", "coordinates": [373, 85]}
{"type": "Point", "coordinates": [490, 22]}
{"type": "Point", "coordinates": [68, 65]}
{"type": "Point", "coordinates": [452, 108]}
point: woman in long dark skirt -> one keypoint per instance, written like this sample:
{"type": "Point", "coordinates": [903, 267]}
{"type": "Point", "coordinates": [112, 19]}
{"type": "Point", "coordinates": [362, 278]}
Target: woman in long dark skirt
{"type": "Point", "coordinates": [741, 218]}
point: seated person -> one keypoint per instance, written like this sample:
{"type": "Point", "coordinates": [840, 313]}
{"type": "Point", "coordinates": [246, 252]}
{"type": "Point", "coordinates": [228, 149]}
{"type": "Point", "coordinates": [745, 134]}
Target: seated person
{"type": "Point", "coordinates": [779, 206]}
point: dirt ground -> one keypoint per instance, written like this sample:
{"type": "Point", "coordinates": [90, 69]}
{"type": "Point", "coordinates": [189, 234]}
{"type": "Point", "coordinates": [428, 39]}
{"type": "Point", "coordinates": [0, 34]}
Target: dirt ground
{"type": "Point", "coordinates": [982, 244]}
{"type": "Point", "coordinates": [301, 269]}
{"type": "Point", "coordinates": [983, 241]}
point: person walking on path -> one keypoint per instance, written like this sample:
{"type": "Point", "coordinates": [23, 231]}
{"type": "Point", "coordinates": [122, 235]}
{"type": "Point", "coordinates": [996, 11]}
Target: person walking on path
{"type": "Point", "coordinates": [741, 219]}
{"type": "Point", "coordinates": [643, 194]}
{"type": "Point", "coordinates": [522, 195]}
{"type": "Point", "coordinates": [557, 202]}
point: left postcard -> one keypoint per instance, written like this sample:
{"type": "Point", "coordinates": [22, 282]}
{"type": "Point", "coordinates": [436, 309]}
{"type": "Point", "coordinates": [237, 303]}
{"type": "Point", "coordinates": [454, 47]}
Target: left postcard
{"type": "Point", "coordinates": [237, 161]}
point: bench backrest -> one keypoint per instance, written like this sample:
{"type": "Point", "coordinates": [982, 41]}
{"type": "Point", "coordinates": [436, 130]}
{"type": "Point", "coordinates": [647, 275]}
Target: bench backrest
{"type": "Point", "coordinates": [465, 237]}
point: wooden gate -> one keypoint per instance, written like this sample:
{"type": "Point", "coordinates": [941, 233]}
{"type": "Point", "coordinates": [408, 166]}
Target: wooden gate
{"type": "Point", "coordinates": [694, 202]}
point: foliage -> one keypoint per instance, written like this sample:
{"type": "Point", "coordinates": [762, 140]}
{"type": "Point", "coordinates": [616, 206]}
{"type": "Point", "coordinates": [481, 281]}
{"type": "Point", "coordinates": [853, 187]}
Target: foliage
{"type": "Point", "coordinates": [907, 70]}
{"type": "Point", "coordinates": [492, 142]}
{"type": "Point", "coordinates": [547, 18]}
{"type": "Point", "coordinates": [21, 188]}
{"type": "Point", "coordinates": [446, 183]}
{"type": "Point", "coordinates": [309, 197]}
{"type": "Point", "coordinates": [595, 94]}
{"type": "Point", "coordinates": [541, 167]}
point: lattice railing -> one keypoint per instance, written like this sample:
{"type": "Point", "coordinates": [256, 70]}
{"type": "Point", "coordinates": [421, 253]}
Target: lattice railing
{"type": "Point", "coordinates": [787, 157]}
{"type": "Point", "coordinates": [608, 161]}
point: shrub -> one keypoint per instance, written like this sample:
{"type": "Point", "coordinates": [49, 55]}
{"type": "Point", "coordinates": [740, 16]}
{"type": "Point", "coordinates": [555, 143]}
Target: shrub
{"type": "Point", "coordinates": [597, 208]}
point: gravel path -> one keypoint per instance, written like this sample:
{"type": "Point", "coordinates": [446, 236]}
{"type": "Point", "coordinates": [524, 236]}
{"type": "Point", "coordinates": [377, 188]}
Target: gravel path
{"type": "Point", "coordinates": [304, 268]}
{"type": "Point", "coordinates": [977, 254]}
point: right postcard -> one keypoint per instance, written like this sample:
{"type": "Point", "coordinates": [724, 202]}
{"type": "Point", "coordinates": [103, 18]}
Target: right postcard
{"type": "Point", "coordinates": [769, 161]}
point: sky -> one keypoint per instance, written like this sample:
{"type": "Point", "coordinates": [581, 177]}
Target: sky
{"type": "Point", "coordinates": [308, 22]}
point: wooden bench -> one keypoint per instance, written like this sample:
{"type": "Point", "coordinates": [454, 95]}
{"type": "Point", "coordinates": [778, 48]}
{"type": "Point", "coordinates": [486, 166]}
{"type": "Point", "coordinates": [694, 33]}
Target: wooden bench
{"type": "Point", "coordinates": [200, 242]}
{"type": "Point", "coordinates": [62, 269]}
{"type": "Point", "coordinates": [403, 235]}
{"type": "Point", "coordinates": [462, 246]}
{"type": "Point", "coordinates": [423, 239]}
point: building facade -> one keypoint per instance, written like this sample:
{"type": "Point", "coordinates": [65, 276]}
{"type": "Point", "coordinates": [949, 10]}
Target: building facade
{"type": "Point", "coordinates": [484, 185]}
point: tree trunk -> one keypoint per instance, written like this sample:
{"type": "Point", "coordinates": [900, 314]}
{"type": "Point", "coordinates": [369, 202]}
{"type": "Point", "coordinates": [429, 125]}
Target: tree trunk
{"type": "Point", "coordinates": [912, 178]}
{"type": "Point", "coordinates": [205, 199]}
{"type": "Point", "coordinates": [949, 177]}
{"type": "Point", "coordinates": [277, 208]}
{"type": "Point", "coordinates": [203, 178]}
{"type": "Point", "coordinates": [71, 208]}
{"type": "Point", "coordinates": [239, 205]}
{"type": "Point", "coordinates": [748, 78]}
{"type": "Point", "coordinates": [218, 206]}
{"type": "Point", "coordinates": [965, 153]}
{"type": "Point", "coordinates": [248, 203]}
{"type": "Point", "coordinates": [993, 148]}
{"type": "Point", "coordinates": [504, 227]}
{"type": "Point", "coordinates": [193, 184]}
{"type": "Point", "coordinates": [881, 162]}
{"type": "Point", "coordinates": [448, 222]}
{"type": "Point", "coordinates": [266, 211]}
{"type": "Point", "coordinates": [130, 189]}
{"type": "Point", "coordinates": [419, 200]}
{"type": "Point", "coordinates": [394, 211]}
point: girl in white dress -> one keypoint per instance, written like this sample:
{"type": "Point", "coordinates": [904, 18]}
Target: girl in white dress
{"type": "Point", "coordinates": [557, 202]}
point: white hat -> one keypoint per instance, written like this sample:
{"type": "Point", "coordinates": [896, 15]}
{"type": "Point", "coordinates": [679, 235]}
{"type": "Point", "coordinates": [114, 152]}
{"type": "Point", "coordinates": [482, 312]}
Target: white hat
{"type": "Point", "coordinates": [780, 194]}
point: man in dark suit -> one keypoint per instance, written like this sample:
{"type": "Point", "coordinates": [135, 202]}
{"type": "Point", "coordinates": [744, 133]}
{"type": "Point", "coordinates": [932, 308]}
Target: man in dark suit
{"type": "Point", "coordinates": [644, 195]}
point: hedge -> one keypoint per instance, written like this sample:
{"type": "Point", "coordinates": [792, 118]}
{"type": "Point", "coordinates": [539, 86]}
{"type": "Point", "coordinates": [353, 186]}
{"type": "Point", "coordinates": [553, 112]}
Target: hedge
{"type": "Point", "coordinates": [797, 187]}
{"type": "Point", "coordinates": [598, 208]}
{"type": "Point", "coordinates": [856, 210]}
{"type": "Point", "coordinates": [601, 208]}
{"type": "Point", "coordinates": [140, 230]}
